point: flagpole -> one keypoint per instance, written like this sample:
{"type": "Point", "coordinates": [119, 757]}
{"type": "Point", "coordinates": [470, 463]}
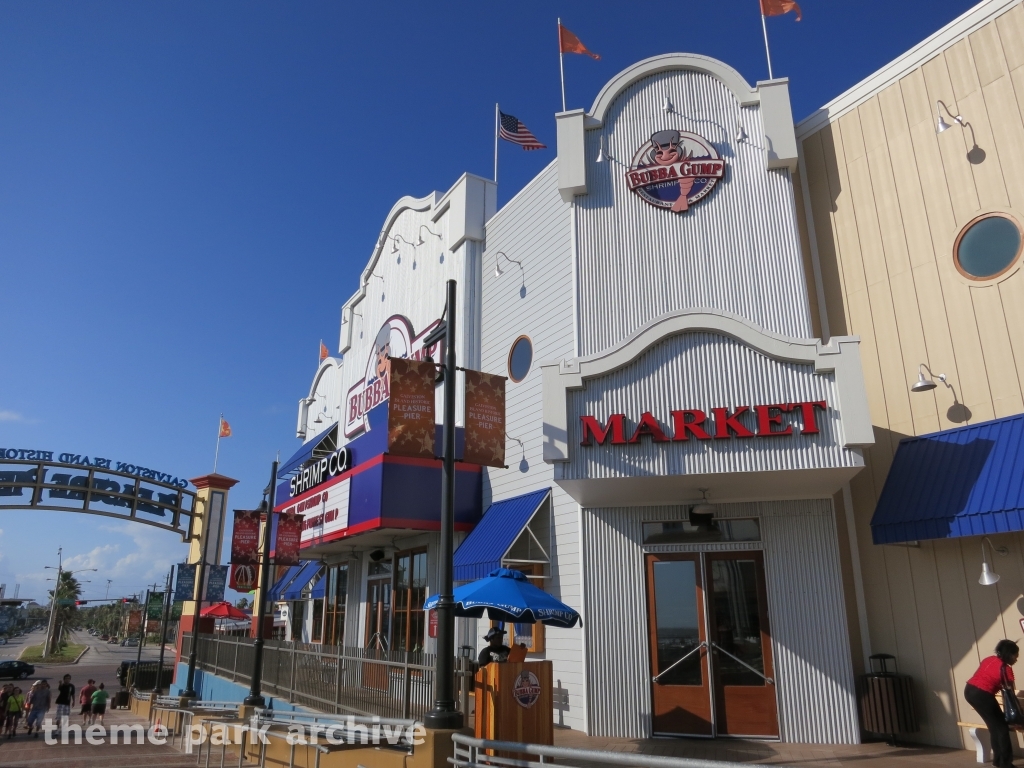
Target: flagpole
{"type": "Point", "coordinates": [216, 455]}
{"type": "Point", "coordinates": [561, 64]}
{"type": "Point", "coordinates": [497, 120]}
{"type": "Point", "coordinates": [768, 53]}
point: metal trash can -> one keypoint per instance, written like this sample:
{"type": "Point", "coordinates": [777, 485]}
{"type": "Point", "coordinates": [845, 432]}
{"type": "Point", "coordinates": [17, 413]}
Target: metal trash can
{"type": "Point", "coordinates": [887, 699]}
{"type": "Point", "coordinates": [122, 700]}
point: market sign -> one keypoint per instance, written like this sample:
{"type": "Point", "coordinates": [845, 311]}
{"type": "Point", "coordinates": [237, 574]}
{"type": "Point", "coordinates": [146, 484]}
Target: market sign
{"type": "Point", "coordinates": [395, 339]}
{"type": "Point", "coordinates": [779, 420]}
{"type": "Point", "coordinates": [674, 169]}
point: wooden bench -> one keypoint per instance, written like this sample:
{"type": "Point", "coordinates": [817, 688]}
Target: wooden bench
{"type": "Point", "coordinates": [979, 748]}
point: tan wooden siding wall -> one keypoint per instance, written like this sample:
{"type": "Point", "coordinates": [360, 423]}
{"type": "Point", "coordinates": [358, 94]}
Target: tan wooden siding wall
{"type": "Point", "coordinates": [888, 196]}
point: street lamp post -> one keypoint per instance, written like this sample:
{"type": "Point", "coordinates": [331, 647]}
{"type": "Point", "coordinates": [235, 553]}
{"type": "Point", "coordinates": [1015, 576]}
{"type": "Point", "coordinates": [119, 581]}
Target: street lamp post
{"type": "Point", "coordinates": [255, 697]}
{"type": "Point", "coordinates": [444, 714]}
{"type": "Point", "coordinates": [190, 681]}
{"type": "Point", "coordinates": [51, 624]}
{"type": "Point", "coordinates": [163, 631]}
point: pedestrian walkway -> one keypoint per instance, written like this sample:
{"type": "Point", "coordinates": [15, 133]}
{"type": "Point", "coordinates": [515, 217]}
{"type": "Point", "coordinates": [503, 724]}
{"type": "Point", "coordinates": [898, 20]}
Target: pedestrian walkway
{"type": "Point", "coordinates": [873, 755]}
{"type": "Point", "coordinates": [27, 752]}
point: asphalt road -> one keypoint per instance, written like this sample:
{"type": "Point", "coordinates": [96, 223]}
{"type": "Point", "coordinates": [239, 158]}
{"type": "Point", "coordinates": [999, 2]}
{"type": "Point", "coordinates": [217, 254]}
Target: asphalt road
{"type": "Point", "coordinates": [99, 663]}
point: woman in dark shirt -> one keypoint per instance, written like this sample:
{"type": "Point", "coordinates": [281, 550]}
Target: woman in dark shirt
{"type": "Point", "coordinates": [980, 693]}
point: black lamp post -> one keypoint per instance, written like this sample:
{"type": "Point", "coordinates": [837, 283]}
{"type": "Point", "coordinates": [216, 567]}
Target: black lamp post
{"type": "Point", "coordinates": [168, 600]}
{"type": "Point", "coordinates": [190, 681]}
{"type": "Point", "coordinates": [444, 713]}
{"type": "Point", "coordinates": [255, 697]}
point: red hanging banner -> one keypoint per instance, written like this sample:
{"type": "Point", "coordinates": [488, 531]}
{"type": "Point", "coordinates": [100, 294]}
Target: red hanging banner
{"type": "Point", "coordinates": [245, 537]}
{"type": "Point", "coordinates": [286, 545]}
{"type": "Point", "coordinates": [485, 419]}
{"type": "Point", "coordinates": [411, 430]}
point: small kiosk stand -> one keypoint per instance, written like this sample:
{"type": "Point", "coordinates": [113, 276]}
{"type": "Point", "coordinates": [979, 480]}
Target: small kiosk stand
{"type": "Point", "coordinates": [514, 702]}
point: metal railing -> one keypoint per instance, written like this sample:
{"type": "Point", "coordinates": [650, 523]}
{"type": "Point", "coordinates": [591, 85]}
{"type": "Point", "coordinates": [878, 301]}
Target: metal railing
{"type": "Point", "coordinates": [473, 753]}
{"type": "Point", "coordinates": [339, 679]}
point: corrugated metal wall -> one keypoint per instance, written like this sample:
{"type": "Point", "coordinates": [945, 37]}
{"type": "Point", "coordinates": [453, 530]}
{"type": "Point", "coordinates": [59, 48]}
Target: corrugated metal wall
{"type": "Point", "coordinates": [736, 250]}
{"type": "Point", "coordinates": [534, 228]}
{"type": "Point", "coordinates": [814, 674]}
{"type": "Point", "coordinates": [712, 371]}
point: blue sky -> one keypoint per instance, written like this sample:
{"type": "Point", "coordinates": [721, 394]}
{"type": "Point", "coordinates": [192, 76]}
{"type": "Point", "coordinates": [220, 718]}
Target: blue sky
{"type": "Point", "coordinates": [188, 192]}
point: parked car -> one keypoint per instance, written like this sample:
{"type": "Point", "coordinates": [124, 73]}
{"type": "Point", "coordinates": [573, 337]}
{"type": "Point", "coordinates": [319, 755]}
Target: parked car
{"type": "Point", "coordinates": [16, 670]}
{"type": "Point", "coordinates": [104, 637]}
{"type": "Point", "coordinates": [130, 642]}
{"type": "Point", "coordinates": [113, 640]}
{"type": "Point", "coordinates": [3, 641]}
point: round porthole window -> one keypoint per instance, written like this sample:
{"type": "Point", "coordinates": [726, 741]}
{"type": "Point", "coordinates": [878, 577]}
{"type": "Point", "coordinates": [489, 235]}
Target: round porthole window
{"type": "Point", "coordinates": [520, 358]}
{"type": "Point", "coordinates": [987, 247]}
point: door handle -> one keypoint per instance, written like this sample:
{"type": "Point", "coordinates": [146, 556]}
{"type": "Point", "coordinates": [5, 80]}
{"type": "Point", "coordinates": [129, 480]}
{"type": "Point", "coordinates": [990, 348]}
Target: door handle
{"type": "Point", "coordinates": [717, 647]}
{"type": "Point", "coordinates": [679, 661]}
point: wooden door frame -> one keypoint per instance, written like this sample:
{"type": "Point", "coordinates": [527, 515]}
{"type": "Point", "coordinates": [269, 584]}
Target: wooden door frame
{"type": "Point", "coordinates": [767, 653]}
{"type": "Point", "coordinates": [702, 625]}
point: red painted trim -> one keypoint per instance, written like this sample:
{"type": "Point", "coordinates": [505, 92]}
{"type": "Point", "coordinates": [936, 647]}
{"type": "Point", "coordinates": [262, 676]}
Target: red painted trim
{"type": "Point", "coordinates": [220, 482]}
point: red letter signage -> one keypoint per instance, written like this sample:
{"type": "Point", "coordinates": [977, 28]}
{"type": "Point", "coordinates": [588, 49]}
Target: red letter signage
{"type": "Point", "coordinates": [810, 420]}
{"type": "Point", "coordinates": [724, 422]}
{"type": "Point", "coordinates": [648, 425]}
{"type": "Point", "coordinates": [769, 416]}
{"type": "Point", "coordinates": [683, 425]}
{"type": "Point", "coordinates": [592, 427]}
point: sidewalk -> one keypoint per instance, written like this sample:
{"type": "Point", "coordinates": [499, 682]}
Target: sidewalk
{"type": "Point", "coordinates": [874, 755]}
{"type": "Point", "coordinates": [26, 751]}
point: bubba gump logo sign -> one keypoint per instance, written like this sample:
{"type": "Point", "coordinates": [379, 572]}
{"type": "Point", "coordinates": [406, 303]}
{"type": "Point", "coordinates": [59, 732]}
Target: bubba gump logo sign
{"type": "Point", "coordinates": [394, 339]}
{"type": "Point", "coordinates": [779, 420]}
{"type": "Point", "coordinates": [674, 170]}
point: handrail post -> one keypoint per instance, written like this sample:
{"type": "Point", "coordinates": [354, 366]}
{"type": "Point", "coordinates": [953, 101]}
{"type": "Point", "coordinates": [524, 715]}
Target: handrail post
{"type": "Point", "coordinates": [407, 695]}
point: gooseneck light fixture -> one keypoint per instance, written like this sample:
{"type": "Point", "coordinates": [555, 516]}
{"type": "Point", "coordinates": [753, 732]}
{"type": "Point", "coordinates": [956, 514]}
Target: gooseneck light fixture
{"type": "Point", "coordinates": [600, 150]}
{"type": "Point", "coordinates": [705, 507]}
{"type": "Point", "coordinates": [394, 245]}
{"type": "Point", "coordinates": [666, 105]}
{"type": "Point", "coordinates": [925, 384]}
{"type": "Point", "coordinates": [988, 576]}
{"type": "Point", "coordinates": [940, 123]}
{"type": "Point", "coordinates": [419, 241]}
{"type": "Point", "coordinates": [498, 271]}
{"type": "Point", "coordinates": [741, 133]}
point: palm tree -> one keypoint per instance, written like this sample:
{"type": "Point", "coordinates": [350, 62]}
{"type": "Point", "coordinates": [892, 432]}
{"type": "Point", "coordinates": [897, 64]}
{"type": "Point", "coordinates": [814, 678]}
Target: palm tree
{"type": "Point", "coordinates": [67, 589]}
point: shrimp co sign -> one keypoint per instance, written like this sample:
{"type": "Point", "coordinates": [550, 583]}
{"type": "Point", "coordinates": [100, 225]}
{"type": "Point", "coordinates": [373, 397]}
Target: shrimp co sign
{"type": "Point", "coordinates": [674, 170]}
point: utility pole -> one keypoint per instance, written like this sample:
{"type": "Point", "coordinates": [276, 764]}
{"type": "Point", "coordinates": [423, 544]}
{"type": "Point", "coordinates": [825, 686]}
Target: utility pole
{"type": "Point", "coordinates": [444, 714]}
{"type": "Point", "coordinates": [109, 582]}
{"type": "Point", "coordinates": [255, 697]}
{"type": "Point", "coordinates": [53, 603]}
{"type": "Point", "coordinates": [157, 687]}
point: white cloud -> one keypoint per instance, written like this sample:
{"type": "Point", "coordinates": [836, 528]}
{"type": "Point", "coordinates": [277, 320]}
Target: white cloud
{"type": "Point", "coordinates": [11, 416]}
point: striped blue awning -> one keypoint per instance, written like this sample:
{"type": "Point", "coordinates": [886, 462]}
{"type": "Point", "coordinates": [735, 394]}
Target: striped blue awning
{"type": "Point", "coordinates": [967, 481]}
{"type": "Point", "coordinates": [484, 548]}
{"type": "Point", "coordinates": [320, 587]}
{"type": "Point", "coordinates": [283, 582]}
{"type": "Point", "coordinates": [306, 573]}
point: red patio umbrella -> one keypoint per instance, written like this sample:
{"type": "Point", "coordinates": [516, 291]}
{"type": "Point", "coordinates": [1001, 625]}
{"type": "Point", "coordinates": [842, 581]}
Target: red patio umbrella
{"type": "Point", "coordinates": [224, 610]}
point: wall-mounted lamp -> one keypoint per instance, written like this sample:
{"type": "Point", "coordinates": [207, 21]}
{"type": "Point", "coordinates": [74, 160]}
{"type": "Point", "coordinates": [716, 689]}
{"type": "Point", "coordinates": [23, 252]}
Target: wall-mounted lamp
{"type": "Point", "coordinates": [498, 272]}
{"type": "Point", "coordinates": [705, 508]}
{"type": "Point", "coordinates": [988, 576]}
{"type": "Point", "coordinates": [394, 247]}
{"type": "Point", "coordinates": [600, 150]}
{"type": "Point", "coordinates": [940, 123]}
{"type": "Point", "coordinates": [666, 105]}
{"type": "Point", "coordinates": [923, 383]}
{"type": "Point", "coordinates": [420, 233]}
{"type": "Point", "coordinates": [741, 134]}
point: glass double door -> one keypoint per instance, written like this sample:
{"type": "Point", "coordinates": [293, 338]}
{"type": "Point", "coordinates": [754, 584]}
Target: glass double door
{"type": "Point", "coordinates": [710, 645]}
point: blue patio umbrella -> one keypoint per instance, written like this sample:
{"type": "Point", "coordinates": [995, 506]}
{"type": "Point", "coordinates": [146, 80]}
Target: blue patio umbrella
{"type": "Point", "coordinates": [508, 596]}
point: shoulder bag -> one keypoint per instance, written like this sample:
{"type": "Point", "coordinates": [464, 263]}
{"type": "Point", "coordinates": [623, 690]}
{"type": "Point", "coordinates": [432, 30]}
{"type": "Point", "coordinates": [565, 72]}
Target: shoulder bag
{"type": "Point", "coordinates": [1011, 706]}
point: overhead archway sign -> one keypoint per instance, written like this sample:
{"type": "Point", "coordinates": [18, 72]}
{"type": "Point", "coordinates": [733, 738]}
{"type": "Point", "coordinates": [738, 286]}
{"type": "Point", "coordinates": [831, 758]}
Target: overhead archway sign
{"type": "Point", "coordinates": [72, 482]}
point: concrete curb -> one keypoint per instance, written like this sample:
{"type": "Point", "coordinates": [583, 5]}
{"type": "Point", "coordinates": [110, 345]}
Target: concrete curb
{"type": "Point", "coordinates": [77, 658]}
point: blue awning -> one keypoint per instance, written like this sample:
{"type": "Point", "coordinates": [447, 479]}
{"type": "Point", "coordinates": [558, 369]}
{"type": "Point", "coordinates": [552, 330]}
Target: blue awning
{"type": "Point", "coordinates": [320, 588]}
{"type": "Point", "coordinates": [483, 550]}
{"type": "Point", "coordinates": [328, 438]}
{"type": "Point", "coordinates": [294, 590]}
{"type": "Point", "coordinates": [275, 591]}
{"type": "Point", "coordinates": [967, 481]}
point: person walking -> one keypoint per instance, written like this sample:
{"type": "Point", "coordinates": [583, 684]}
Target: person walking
{"type": "Point", "coordinates": [38, 704]}
{"type": "Point", "coordinates": [15, 703]}
{"type": "Point", "coordinates": [5, 694]}
{"type": "Point", "coordinates": [99, 703]}
{"type": "Point", "coordinates": [65, 698]}
{"type": "Point", "coordinates": [85, 699]}
{"type": "Point", "coordinates": [980, 693]}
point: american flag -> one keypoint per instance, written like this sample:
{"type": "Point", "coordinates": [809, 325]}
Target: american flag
{"type": "Point", "coordinates": [512, 130]}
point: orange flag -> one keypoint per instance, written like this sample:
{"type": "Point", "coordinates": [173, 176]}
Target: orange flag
{"type": "Point", "coordinates": [225, 428]}
{"type": "Point", "coordinates": [779, 7]}
{"type": "Point", "coordinates": [323, 352]}
{"type": "Point", "coordinates": [569, 43]}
